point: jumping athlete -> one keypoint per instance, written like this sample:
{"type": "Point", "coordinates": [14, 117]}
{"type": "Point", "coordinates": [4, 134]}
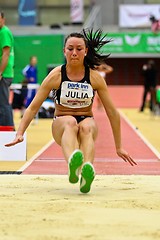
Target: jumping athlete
{"type": "Point", "coordinates": [74, 85]}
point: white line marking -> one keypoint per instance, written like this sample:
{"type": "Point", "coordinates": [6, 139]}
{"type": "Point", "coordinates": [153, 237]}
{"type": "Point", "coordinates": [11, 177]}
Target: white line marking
{"type": "Point", "coordinates": [97, 160]}
{"type": "Point", "coordinates": [153, 149]}
{"type": "Point", "coordinates": [28, 163]}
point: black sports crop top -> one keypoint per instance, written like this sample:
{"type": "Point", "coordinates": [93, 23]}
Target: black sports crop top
{"type": "Point", "coordinates": [74, 94]}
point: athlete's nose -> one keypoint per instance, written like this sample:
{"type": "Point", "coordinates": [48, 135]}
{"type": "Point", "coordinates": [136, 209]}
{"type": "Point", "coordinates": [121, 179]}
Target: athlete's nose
{"type": "Point", "coordinates": [74, 52]}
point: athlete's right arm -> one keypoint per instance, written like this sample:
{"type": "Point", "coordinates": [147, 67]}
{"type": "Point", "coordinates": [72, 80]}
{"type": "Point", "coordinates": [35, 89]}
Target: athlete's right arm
{"type": "Point", "coordinates": [52, 81]}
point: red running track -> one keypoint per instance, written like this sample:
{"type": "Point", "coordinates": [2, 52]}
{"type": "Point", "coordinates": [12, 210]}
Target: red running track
{"type": "Point", "coordinates": [51, 161]}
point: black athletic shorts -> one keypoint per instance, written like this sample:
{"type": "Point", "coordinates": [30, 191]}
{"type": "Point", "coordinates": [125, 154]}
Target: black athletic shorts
{"type": "Point", "coordinates": [78, 118]}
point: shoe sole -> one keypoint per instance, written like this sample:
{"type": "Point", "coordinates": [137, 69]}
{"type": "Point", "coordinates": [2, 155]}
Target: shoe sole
{"type": "Point", "coordinates": [75, 163]}
{"type": "Point", "coordinates": [87, 177]}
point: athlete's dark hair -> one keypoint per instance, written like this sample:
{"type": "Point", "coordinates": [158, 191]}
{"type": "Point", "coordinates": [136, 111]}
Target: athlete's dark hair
{"type": "Point", "coordinates": [94, 41]}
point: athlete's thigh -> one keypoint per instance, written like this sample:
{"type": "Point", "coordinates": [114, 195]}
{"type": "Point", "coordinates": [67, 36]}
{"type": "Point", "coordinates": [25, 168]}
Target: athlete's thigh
{"type": "Point", "coordinates": [90, 124]}
{"type": "Point", "coordinates": [59, 125]}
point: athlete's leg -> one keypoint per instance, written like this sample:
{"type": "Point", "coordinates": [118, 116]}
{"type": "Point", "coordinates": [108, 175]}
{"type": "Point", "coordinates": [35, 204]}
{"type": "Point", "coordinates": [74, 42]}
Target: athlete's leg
{"type": "Point", "coordinates": [64, 131]}
{"type": "Point", "coordinates": [87, 135]}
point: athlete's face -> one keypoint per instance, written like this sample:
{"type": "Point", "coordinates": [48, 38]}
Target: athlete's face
{"type": "Point", "coordinates": [75, 50]}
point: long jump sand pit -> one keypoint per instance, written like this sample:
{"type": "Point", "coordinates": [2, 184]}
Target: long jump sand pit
{"type": "Point", "coordinates": [48, 207]}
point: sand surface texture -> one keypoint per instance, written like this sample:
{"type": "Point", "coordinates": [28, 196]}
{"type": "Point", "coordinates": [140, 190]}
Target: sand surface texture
{"type": "Point", "coordinates": [49, 207]}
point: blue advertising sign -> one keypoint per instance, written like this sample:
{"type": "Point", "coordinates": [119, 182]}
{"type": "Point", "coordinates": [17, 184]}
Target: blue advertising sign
{"type": "Point", "coordinates": [27, 12]}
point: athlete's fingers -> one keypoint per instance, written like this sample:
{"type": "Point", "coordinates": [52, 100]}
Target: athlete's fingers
{"type": "Point", "coordinates": [128, 159]}
{"type": "Point", "coordinates": [131, 161]}
{"type": "Point", "coordinates": [18, 139]}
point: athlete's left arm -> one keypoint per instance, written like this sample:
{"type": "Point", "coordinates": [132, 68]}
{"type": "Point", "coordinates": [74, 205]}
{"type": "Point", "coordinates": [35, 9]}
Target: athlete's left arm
{"type": "Point", "coordinates": [99, 84]}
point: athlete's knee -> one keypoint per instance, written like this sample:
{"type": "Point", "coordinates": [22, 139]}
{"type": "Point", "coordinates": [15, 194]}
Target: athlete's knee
{"type": "Point", "coordinates": [71, 123]}
{"type": "Point", "coordinates": [86, 129]}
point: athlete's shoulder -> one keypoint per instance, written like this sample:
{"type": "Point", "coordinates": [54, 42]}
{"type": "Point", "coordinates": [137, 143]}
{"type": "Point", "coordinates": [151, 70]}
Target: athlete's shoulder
{"type": "Point", "coordinates": [54, 77]}
{"type": "Point", "coordinates": [96, 79]}
{"type": "Point", "coordinates": [55, 72]}
{"type": "Point", "coordinates": [94, 74]}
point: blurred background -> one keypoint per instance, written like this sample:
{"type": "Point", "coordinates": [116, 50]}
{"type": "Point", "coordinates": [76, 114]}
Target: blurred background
{"type": "Point", "coordinates": [40, 26]}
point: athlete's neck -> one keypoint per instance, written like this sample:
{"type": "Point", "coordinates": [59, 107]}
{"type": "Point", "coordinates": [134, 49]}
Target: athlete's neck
{"type": "Point", "coordinates": [76, 72]}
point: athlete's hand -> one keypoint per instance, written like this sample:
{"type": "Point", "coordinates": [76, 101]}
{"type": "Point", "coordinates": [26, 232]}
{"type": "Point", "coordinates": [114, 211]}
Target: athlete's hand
{"type": "Point", "coordinates": [125, 156]}
{"type": "Point", "coordinates": [18, 139]}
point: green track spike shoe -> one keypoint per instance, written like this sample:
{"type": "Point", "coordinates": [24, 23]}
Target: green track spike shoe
{"type": "Point", "coordinates": [87, 177]}
{"type": "Point", "coordinates": [74, 163]}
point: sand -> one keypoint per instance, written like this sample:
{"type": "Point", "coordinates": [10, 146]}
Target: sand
{"type": "Point", "coordinates": [48, 207]}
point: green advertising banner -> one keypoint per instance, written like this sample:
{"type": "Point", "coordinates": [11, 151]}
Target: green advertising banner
{"type": "Point", "coordinates": [47, 48]}
{"type": "Point", "coordinates": [134, 43]}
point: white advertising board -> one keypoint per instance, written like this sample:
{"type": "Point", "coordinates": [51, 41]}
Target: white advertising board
{"type": "Point", "coordinates": [13, 153]}
{"type": "Point", "coordinates": [132, 16]}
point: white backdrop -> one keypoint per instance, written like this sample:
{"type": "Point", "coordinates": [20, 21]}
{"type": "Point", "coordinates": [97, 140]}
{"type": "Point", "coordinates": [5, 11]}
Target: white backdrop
{"type": "Point", "coordinates": [137, 15]}
{"type": "Point", "coordinates": [76, 11]}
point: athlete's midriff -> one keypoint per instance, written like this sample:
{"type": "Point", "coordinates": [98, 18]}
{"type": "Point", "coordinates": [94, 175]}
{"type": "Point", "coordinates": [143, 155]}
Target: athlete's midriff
{"type": "Point", "coordinates": [62, 111]}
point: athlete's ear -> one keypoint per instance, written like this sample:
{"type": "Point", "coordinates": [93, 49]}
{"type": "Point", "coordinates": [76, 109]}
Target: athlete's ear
{"type": "Point", "coordinates": [86, 52]}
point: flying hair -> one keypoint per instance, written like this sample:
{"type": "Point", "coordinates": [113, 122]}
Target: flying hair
{"type": "Point", "coordinates": [94, 41]}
